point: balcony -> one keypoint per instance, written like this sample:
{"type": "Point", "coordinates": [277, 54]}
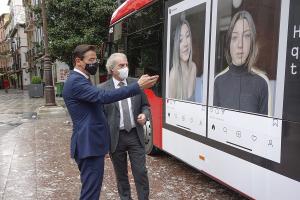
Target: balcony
{"type": "Point", "coordinates": [4, 50]}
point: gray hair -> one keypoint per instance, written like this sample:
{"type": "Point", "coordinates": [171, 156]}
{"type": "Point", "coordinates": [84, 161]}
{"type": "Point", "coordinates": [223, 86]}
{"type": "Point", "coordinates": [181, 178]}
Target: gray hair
{"type": "Point", "coordinates": [250, 61]}
{"type": "Point", "coordinates": [112, 61]}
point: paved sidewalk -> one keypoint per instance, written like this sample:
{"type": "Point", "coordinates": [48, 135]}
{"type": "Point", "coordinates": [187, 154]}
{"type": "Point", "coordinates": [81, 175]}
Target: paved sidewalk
{"type": "Point", "coordinates": [34, 153]}
{"type": "Point", "coordinates": [35, 161]}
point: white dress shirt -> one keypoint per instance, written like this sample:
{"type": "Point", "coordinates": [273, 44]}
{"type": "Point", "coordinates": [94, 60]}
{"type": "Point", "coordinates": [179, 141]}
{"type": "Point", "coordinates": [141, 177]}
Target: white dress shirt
{"type": "Point", "coordinates": [116, 84]}
{"type": "Point", "coordinates": [80, 72]}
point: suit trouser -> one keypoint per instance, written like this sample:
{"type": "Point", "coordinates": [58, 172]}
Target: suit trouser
{"type": "Point", "coordinates": [91, 175]}
{"type": "Point", "coordinates": [129, 142]}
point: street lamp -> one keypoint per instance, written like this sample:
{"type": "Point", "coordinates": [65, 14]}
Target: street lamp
{"type": "Point", "coordinates": [49, 89]}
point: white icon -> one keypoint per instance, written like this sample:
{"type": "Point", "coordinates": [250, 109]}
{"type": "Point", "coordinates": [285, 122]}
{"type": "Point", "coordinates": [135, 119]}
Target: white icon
{"type": "Point", "coordinates": [270, 143]}
{"type": "Point", "coordinates": [239, 134]}
{"type": "Point", "coordinates": [217, 111]}
{"type": "Point", "coordinates": [191, 120]}
{"type": "Point", "coordinates": [253, 138]}
{"type": "Point", "coordinates": [183, 118]}
{"type": "Point", "coordinates": [225, 129]}
{"type": "Point", "coordinates": [211, 109]}
{"type": "Point", "coordinates": [213, 127]}
{"type": "Point", "coordinates": [175, 115]}
{"type": "Point", "coordinates": [223, 111]}
{"type": "Point", "coordinates": [275, 122]}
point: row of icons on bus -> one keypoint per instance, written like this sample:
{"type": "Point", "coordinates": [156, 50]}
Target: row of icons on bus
{"type": "Point", "coordinates": [238, 134]}
{"type": "Point", "coordinates": [225, 130]}
{"type": "Point", "coordinates": [232, 128]}
{"type": "Point", "coordinates": [185, 118]}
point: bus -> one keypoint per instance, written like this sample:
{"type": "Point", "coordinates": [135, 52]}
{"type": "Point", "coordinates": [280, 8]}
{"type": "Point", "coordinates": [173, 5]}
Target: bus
{"type": "Point", "coordinates": [228, 99]}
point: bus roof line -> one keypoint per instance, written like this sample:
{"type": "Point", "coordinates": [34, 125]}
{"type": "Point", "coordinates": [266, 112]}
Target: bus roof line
{"type": "Point", "coordinates": [128, 8]}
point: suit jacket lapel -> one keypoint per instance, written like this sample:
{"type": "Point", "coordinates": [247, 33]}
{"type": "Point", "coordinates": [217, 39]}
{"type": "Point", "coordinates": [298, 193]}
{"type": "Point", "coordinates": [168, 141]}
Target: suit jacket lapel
{"type": "Point", "coordinates": [129, 80]}
{"type": "Point", "coordinates": [111, 86]}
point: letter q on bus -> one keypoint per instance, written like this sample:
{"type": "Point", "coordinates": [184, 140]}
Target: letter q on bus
{"type": "Point", "coordinates": [295, 52]}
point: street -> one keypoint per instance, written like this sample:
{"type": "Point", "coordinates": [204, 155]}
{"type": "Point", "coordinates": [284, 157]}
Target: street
{"type": "Point", "coordinates": [35, 161]}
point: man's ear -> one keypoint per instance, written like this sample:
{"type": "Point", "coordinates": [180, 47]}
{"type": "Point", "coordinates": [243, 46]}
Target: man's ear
{"type": "Point", "coordinates": [77, 61]}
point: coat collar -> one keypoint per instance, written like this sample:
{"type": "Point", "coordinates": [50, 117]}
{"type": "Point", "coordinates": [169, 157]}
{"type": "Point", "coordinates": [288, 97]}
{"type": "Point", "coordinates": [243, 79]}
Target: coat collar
{"type": "Point", "coordinates": [80, 72]}
{"type": "Point", "coordinates": [111, 84]}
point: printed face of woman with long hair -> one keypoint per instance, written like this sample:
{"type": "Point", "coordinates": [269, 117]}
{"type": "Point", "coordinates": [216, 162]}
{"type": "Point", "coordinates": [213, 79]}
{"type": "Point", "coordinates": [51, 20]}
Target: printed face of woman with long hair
{"type": "Point", "coordinates": [185, 43]}
{"type": "Point", "coordinates": [240, 42]}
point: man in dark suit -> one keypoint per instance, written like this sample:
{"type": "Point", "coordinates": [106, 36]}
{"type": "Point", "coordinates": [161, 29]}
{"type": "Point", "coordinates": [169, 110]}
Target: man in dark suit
{"type": "Point", "coordinates": [126, 119]}
{"type": "Point", "coordinates": [90, 138]}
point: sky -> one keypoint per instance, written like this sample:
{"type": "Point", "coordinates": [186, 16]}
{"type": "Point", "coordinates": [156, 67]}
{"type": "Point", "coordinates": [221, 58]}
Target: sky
{"type": "Point", "coordinates": [3, 7]}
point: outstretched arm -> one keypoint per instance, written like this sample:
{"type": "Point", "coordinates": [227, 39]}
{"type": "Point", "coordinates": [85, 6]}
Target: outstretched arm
{"type": "Point", "coordinates": [87, 92]}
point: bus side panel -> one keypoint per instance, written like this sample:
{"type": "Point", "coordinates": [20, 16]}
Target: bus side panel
{"type": "Point", "coordinates": [249, 179]}
{"type": "Point", "coordinates": [156, 113]}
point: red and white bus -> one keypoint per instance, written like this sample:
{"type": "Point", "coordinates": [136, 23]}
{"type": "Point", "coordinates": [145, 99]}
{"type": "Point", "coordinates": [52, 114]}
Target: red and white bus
{"type": "Point", "coordinates": [228, 98]}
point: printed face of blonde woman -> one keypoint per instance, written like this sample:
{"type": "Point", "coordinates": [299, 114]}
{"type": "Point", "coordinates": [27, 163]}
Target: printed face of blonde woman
{"type": "Point", "coordinates": [240, 42]}
{"type": "Point", "coordinates": [185, 43]}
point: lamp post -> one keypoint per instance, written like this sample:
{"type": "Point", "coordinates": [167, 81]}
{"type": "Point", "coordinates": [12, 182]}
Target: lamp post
{"type": "Point", "coordinates": [49, 89]}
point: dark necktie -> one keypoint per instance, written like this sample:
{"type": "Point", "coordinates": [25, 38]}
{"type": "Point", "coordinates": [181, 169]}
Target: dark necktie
{"type": "Point", "coordinates": [126, 115]}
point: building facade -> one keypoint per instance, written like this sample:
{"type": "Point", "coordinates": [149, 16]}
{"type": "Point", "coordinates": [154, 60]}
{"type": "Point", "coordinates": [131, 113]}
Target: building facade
{"type": "Point", "coordinates": [18, 73]}
{"type": "Point", "coordinates": [34, 37]}
{"type": "Point", "coordinates": [4, 48]}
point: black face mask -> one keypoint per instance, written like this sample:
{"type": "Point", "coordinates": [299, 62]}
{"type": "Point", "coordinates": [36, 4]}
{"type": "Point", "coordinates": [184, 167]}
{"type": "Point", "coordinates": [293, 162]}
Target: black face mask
{"type": "Point", "coordinates": [92, 68]}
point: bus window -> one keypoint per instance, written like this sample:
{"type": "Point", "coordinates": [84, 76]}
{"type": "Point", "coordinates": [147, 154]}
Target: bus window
{"type": "Point", "coordinates": [144, 43]}
{"type": "Point", "coordinates": [139, 36]}
{"type": "Point", "coordinates": [144, 50]}
{"type": "Point", "coordinates": [119, 37]}
{"type": "Point", "coordinates": [145, 18]}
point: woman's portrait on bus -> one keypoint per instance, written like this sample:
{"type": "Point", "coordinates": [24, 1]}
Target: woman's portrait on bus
{"type": "Point", "coordinates": [183, 72]}
{"type": "Point", "coordinates": [186, 55]}
{"type": "Point", "coordinates": [242, 86]}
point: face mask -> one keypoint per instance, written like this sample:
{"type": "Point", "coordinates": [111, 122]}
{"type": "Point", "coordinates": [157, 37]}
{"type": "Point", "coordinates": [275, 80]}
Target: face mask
{"type": "Point", "coordinates": [123, 73]}
{"type": "Point", "coordinates": [92, 68]}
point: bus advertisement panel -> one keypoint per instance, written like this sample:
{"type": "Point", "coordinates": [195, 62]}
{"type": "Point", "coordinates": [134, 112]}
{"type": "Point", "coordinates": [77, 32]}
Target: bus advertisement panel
{"type": "Point", "coordinates": [187, 65]}
{"type": "Point", "coordinates": [231, 117]}
{"type": "Point", "coordinates": [246, 88]}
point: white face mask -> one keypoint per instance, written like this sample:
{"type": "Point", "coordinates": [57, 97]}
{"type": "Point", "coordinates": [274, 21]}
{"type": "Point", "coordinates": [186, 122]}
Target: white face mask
{"type": "Point", "coordinates": [123, 73]}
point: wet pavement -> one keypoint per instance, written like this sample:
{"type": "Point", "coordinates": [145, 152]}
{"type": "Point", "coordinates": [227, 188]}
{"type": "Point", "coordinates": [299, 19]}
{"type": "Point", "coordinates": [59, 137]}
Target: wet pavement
{"type": "Point", "coordinates": [35, 161]}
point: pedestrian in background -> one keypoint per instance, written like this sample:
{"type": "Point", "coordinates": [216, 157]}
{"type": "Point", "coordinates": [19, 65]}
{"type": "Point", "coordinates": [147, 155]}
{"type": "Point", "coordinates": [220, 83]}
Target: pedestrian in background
{"type": "Point", "coordinates": [6, 85]}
